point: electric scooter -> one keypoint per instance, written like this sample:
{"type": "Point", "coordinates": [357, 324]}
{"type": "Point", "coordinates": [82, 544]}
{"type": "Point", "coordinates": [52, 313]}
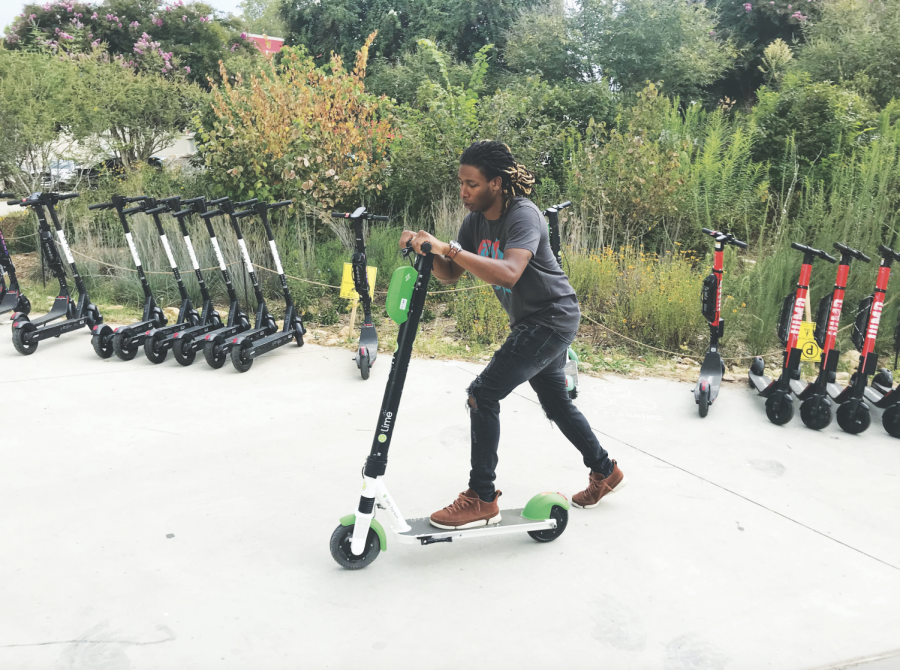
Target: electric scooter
{"type": "Point", "coordinates": [815, 410]}
{"type": "Point", "coordinates": [26, 333]}
{"type": "Point", "coordinates": [209, 317]}
{"type": "Point", "coordinates": [158, 341]}
{"type": "Point", "coordinates": [883, 394]}
{"type": "Point", "coordinates": [778, 394]}
{"type": "Point", "coordinates": [360, 538]}
{"type": "Point", "coordinates": [245, 348]}
{"type": "Point", "coordinates": [853, 413]}
{"type": "Point", "coordinates": [218, 344]}
{"type": "Point", "coordinates": [367, 351]}
{"type": "Point", "coordinates": [707, 389]}
{"type": "Point", "coordinates": [571, 368]}
{"type": "Point", "coordinates": [188, 342]}
{"type": "Point", "coordinates": [11, 297]}
{"type": "Point", "coordinates": [105, 340]}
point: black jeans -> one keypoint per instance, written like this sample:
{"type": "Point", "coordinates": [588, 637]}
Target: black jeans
{"type": "Point", "coordinates": [536, 354]}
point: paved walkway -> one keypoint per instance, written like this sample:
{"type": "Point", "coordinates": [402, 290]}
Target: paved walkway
{"type": "Point", "coordinates": [168, 517]}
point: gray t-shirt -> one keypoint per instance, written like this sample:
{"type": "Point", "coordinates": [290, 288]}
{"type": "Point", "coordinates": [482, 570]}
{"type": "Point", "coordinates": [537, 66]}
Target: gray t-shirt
{"type": "Point", "coordinates": [543, 294]}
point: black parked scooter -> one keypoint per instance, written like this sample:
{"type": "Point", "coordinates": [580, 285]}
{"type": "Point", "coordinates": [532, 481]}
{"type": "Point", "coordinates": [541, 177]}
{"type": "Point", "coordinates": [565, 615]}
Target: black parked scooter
{"type": "Point", "coordinates": [28, 332]}
{"type": "Point", "coordinates": [11, 297]}
{"type": "Point", "coordinates": [571, 368]}
{"type": "Point", "coordinates": [707, 389]}
{"type": "Point", "coordinates": [815, 410]}
{"type": "Point", "coordinates": [246, 348]}
{"type": "Point", "coordinates": [158, 341]}
{"type": "Point", "coordinates": [105, 340]}
{"type": "Point", "coordinates": [367, 351]}
{"type": "Point", "coordinates": [218, 344]}
{"type": "Point", "coordinates": [778, 393]}
{"type": "Point", "coordinates": [188, 342]}
{"type": "Point", "coordinates": [882, 394]}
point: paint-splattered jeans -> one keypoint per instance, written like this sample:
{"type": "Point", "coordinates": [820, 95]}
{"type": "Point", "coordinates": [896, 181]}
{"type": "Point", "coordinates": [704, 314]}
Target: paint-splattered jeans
{"type": "Point", "coordinates": [536, 354]}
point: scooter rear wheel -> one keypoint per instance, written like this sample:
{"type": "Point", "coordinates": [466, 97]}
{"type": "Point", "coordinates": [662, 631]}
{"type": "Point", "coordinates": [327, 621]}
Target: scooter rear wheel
{"type": "Point", "coordinates": [364, 365]}
{"type": "Point", "coordinates": [152, 350]}
{"type": "Point", "coordinates": [703, 400]}
{"type": "Point", "coordinates": [120, 346]}
{"type": "Point", "coordinates": [854, 422]}
{"type": "Point", "coordinates": [779, 408]}
{"type": "Point", "coordinates": [891, 420]}
{"type": "Point", "coordinates": [241, 362]}
{"type": "Point", "coordinates": [340, 548]}
{"type": "Point", "coordinates": [298, 333]}
{"type": "Point", "coordinates": [102, 342]}
{"type": "Point", "coordinates": [816, 413]}
{"type": "Point", "coordinates": [214, 358]}
{"type": "Point", "coordinates": [562, 520]}
{"type": "Point", "coordinates": [184, 352]}
{"type": "Point", "coordinates": [20, 337]}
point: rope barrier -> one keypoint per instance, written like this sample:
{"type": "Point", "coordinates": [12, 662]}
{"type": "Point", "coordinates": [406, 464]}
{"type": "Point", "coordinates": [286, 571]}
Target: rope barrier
{"type": "Point", "coordinates": [23, 237]}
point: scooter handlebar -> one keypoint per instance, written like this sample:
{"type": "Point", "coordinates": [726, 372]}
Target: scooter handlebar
{"type": "Point", "coordinates": [283, 203]}
{"type": "Point", "coordinates": [132, 210]}
{"type": "Point", "coordinates": [101, 205]}
{"type": "Point", "coordinates": [7, 195]}
{"type": "Point", "coordinates": [243, 213]}
{"type": "Point", "coordinates": [887, 252]}
{"type": "Point", "coordinates": [558, 207]}
{"type": "Point", "coordinates": [65, 196]}
{"type": "Point", "coordinates": [727, 238]}
{"type": "Point", "coordinates": [210, 213]}
{"type": "Point", "coordinates": [813, 252]}
{"type": "Point", "coordinates": [848, 251]}
{"type": "Point", "coordinates": [246, 203]}
{"type": "Point", "coordinates": [191, 201]}
{"type": "Point", "coordinates": [157, 210]}
{"type": "Point", "coordinates": [15, 202]}
{"type": "Point", "coordinates": [137, 198]}
{"type": "Point", "coordinates": [218, 201]}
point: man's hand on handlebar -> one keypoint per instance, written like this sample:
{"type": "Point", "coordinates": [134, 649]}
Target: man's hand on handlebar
{"type": "Point", "coordinates": [437, 247]}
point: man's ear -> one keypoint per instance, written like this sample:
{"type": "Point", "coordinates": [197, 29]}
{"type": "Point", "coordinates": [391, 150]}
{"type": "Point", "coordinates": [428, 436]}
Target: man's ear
{"type": "Point", "coordinates": [496, 184]}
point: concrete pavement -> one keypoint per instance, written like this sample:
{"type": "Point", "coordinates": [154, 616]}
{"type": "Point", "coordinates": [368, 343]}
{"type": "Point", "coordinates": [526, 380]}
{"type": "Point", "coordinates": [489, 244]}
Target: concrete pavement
{"type": "Point", "coordinates": [169, 517]}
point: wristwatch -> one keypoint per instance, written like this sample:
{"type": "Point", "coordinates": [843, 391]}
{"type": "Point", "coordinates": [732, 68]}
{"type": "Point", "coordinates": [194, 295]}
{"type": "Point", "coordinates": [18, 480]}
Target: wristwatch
{"type": "Point", "coordinates": [455, 248]}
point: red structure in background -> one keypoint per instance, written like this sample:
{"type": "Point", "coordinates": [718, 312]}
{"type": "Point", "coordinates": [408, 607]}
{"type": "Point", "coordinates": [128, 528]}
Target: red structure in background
{"type": "Point", "coordinates": [268, 45]}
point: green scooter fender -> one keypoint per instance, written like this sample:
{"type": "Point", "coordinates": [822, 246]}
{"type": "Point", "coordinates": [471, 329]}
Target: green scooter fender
{"type": "Point", "coordinates": [540, 506]}
{"type": "Point", "coordinates": [350, 519]}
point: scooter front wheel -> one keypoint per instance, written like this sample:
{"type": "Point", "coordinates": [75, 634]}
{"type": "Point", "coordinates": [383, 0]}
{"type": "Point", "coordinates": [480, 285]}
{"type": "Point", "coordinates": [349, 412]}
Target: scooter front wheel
{"type": "Point", "coordinates": [340, 548]}
{"type": "Point", "coordinates": [854, 422]}
{"type": "Point", "coordinates": [102, 342]}
{"type": "Point", "coordinates": [703, 400]}
{"type": "Point", "coordinates": [891, 420]}
{"type": "Point", "coordinates": [364, 365]}
{"type": "Point", "coordinates": [213, 356]}
{"type": "Point", "coordinates": [816, 413]}
{"type": "Point", "coordinates": [152, 351]}
{"type": "Point", "coordinates": [562, 519]}
{"type": "Point", "coordinates": [121, 347]}
{"type": "Point", "coordinates": [239, 360]}
{"type": "Point", "coordinates": [183, 350]}
{"type": "Point", "coordinates": [779, 408]}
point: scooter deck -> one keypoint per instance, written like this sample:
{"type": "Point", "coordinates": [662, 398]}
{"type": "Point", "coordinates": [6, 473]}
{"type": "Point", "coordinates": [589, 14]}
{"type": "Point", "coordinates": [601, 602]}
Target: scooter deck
{"type": "Point", "coordinates": [368, 338]}
{"type": "Point", "coordinates": [761, 383]}
{"type": "Point", "coordinates": [511, 521]}
{"type": "Point", "coordinates": [801, 389]}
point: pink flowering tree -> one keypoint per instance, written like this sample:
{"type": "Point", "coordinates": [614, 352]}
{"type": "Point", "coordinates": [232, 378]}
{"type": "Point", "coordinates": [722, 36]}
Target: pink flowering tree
{"type": "Point", "coordinates": [169, 38]}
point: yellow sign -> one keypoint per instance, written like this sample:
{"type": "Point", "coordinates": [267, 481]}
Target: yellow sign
{"type": "Point", "coordinates": [348, 289]}
{"type": "Point", "coordinates": [806, 343]}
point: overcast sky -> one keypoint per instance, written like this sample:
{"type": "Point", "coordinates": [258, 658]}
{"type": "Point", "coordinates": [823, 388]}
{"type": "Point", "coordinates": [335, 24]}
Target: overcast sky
{"type": "Point", "coordinates": [10, 8]}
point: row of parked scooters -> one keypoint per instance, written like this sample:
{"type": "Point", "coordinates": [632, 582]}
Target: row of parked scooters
{"type": "Point", "coordinates": [819, 397]}
{"type": "Point", "coordinates": [193, 330]}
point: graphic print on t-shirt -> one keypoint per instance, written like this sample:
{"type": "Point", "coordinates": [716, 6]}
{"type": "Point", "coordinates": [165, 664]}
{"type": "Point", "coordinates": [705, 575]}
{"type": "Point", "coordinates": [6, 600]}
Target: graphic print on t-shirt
{"type": "Point", "coordinates": [492, 250]}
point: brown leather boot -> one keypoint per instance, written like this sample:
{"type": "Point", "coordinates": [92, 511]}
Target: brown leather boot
{"type": "Point", "coordinates": [599, 486]}
{"type": "Point", "coordinates": [467, 511]}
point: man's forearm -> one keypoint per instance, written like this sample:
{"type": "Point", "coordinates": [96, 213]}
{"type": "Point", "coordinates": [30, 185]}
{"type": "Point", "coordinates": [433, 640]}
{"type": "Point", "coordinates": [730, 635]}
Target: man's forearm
{"type": "Point", "coordinates": [444, 270]}
{"type": "Point", "coordinates": [494, 271]}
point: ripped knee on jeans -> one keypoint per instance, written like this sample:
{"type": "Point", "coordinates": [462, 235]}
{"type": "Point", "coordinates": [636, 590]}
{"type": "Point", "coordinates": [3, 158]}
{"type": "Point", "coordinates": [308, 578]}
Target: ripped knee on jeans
{"type": "Point", "coordinates": [472, 403]}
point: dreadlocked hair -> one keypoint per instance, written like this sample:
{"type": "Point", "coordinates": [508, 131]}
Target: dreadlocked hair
{"type": "Point", "coordinates": [495, 159]}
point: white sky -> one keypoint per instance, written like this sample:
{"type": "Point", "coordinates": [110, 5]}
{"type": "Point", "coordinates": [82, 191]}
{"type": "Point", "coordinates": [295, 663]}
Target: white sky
{"type": "Point", "coordinates": [10, 8]}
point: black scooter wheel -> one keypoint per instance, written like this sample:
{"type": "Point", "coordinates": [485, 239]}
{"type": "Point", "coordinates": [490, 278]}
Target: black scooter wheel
{"type": "Point", "coordinates": [780, 408]}
{"type": "Point", "coordinates": [20, 338]}
{"type": "Point", "coordinates": [364, 366]}
{"type": "Point", "coordinates": [891, 420]}
{"type": "Point", "coordinates": [562, 519]}
{"type": "Point", "coordinates": [340, 548]}
{"type": "Point", "coordinates": [184, 352]}
{"type": "Point", "coordinates": [298, 333]}
{"type": "Point", "coordinates": [854, 422]}
{"type": "Point", "coordinates": [102, 342]}
{"type": "Point", "coordinates": [241, 362]}
{"type": "Point", "coordinates": [816, 413]}
{"type": "Point", "coordinates": [154, 353]}
{"type": "Point", "coordinates": [121, 348]}
{"type": "Point", "coordinates": [214, 358]}
{"type": "Point", "coordinates": [703, 402]}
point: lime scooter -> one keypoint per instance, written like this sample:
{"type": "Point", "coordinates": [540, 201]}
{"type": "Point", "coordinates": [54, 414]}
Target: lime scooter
{"type": "Point", "coordinates": [26, 332]}
{"type": "Point", "coordinates": [367, 350]}
{"type": "Point", "coordinates": [815, 410]}
{"type": "Point", "coordinates": [571, 368]}
{"type": "Point", "coordinates": [359, 538]}
{"type": "Point", "coordinates": [853, 414]}
{"type": "Point", "coordinates": [778, 393]}
{"type": "Point", "coordinates": [11, 297]}
{"type": "Point", "coordinates": [707, 389]}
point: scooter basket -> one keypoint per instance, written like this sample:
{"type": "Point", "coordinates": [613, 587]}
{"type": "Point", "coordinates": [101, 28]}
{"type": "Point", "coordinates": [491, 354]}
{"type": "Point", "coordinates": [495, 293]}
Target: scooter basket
{"type": "Point", "coordinates": [709, 294]}
{"type": "Point", "coordinates": [823, 314]}
{"type": "Point", "coordinates": [863, 313]}
{"type": "Point", "coordinates": [787, 313]}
